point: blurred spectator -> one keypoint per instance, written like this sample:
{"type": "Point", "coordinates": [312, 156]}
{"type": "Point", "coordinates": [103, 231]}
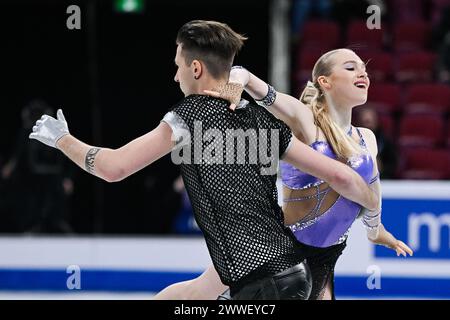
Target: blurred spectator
{"type": "Point", "coordinates": [439, 11]}
{"type": "Point", "coordinates": [442, 28]}
{"type": "Point", "coordinates": [441, 40]}
{"type": "Point", "coordinates": [303, 9]}
{"type": "Point", "coordinates": [443, 61]}
{"type": "Point", "coordinates": [184, 222]}
{"type": "Point", "coordinates": [387, 155]}
{"type": "Point", "coordinates": [35, 184]}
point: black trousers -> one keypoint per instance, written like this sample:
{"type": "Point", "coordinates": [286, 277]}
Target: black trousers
{"type": "Point", "coordinates": [321, 262]}
{"type": "Point", "coordinates": [294, 283]}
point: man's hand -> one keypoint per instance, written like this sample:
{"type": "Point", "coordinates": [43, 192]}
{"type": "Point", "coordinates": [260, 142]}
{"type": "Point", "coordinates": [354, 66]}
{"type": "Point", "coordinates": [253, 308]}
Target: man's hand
{"type": "Point", "coordinates": [49, 130]}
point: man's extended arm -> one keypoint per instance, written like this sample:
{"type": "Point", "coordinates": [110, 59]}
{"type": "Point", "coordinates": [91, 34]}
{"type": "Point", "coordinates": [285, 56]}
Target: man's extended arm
{"type": "Point", "coordinates": [108, 164]}
{"type": "Point", "coordinates": [343, 179]}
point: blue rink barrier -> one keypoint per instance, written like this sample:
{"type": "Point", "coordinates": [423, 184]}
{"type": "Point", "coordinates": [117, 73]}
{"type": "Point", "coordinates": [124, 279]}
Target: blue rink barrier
{"type": "Point", "coordinates": [416, 212]}
{"type": "Point", "coordinates": [91, 280]}
{"type": "Point", "coordinates": [154, 281]}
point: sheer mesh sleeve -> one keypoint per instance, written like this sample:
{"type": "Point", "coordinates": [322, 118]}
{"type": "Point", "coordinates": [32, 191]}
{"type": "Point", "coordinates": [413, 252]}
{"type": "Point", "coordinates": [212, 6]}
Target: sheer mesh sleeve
{"type": "Point", "coordinates": [285, 138]}
{"type": "Point", "coordinates": [284, 132]}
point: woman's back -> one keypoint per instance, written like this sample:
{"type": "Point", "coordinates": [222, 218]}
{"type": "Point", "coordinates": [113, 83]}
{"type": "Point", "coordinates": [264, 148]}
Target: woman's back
{"type": "Point", "coordinates": [316, 214]}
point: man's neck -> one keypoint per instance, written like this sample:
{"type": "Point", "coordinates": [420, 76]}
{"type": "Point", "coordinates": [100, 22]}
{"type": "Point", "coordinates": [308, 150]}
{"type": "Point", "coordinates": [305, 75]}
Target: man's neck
{"type": "Point", "coordinates": [209, 83]}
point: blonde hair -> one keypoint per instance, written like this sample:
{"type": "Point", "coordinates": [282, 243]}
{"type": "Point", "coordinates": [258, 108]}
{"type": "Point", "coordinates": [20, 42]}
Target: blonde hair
{"type": "Point", "coordinates": [344, 146]}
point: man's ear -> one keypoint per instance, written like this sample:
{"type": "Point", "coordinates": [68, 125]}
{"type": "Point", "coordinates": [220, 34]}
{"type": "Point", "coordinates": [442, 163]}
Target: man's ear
{"type": "Point", "coordinates": [197, 69]}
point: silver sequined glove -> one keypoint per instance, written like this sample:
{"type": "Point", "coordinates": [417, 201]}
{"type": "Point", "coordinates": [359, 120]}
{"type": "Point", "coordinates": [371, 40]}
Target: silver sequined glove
{"type": "Point", "coordinates": [49, 130]}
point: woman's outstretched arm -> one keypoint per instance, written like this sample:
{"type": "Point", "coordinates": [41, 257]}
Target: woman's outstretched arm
{"type": "Point", "coordinates": [375, 230]}
{"type": "Point", "coordinates": [290, 110]}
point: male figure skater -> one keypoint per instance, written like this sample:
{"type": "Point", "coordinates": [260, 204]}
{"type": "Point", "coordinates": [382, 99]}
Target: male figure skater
{"type": "Point", "coordinates": [231, 183]}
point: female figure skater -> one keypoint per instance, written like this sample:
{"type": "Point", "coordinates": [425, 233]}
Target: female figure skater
{"type": "Point", "coordinates": [319, 217]}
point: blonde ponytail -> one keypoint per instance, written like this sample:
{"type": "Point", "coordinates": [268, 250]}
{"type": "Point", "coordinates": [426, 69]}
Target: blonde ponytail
{"type": "Point", "coordinates": [343, 146]}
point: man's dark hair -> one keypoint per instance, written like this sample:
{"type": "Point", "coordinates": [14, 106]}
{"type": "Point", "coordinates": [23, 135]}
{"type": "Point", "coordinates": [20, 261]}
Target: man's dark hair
{"type": "Point", "coordinates": [212, 42]}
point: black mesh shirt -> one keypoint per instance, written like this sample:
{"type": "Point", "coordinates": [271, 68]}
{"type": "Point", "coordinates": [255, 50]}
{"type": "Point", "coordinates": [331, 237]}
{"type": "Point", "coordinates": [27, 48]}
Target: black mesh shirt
{"type": "Point", "coordinates": [235, 203]}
